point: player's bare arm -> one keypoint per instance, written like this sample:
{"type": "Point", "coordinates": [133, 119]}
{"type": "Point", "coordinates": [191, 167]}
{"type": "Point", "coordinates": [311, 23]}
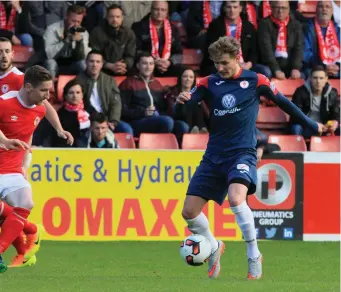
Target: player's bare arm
{"type": "Point", "coordinates": [52, 117]}
{"type": "Point", "coordinates": [12, 144]}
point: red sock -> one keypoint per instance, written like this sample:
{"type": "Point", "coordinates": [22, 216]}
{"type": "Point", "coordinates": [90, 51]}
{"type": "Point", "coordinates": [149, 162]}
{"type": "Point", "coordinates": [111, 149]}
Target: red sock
{"type": "Point", "coordinates": [30, 228]}
{"type": "Point", "coordinates": [19, 244]}
{"type": "Point", "coordinates": [12, 227]}
{"type": "Point", "coordinates": [5, 210]}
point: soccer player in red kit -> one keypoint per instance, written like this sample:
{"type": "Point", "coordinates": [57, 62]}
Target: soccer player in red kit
{"type": "Point", "coordinates": [11, 79]}
{"type": "Point", "coordinates": [20, 113]}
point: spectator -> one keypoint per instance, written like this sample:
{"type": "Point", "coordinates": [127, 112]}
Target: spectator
{"type": "Point", "coordinates": [229, 23]}
{"type": "Point", "coordinates": [322, 41]}
{"type": "Point", "coordinates": [194, 116]}
{"type": "Point", "coordinates": [40, 15]}
{"type": "Point", "coordinates": [156, 35]}
{"type": "Point", "coordinates": [144, 105]}
{"type": "Point", "coordinates": [319, 101]}
{"type": "Point", "coordinates": [11, 23]}
{"type": "Point", "coordinates": [67, 43]}
{"type": "Point", "coordinates": [73, 117]}
{"type": "Point", "coordinates": [101, 93]}
{"type": "Point", "coordinates": [133, 11]}
{"type": "Point", "coordinates": [281, 42]}
{"type": "Point", "coordinates": [117, 43]}
{"type": "Point", "coordinates": [100, 135]}
{"type": "Point", "coordinates": [263, 146]}
{"type": "Point", "coordinates": [200, 15]}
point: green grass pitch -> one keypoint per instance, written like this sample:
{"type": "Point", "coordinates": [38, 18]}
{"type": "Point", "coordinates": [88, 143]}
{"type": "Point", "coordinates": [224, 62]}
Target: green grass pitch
{"type": "Point", "coordinates": [289, 266]}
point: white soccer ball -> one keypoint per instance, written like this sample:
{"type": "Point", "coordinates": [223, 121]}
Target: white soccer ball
{"type": "Point", "coordinates": [195, 249]}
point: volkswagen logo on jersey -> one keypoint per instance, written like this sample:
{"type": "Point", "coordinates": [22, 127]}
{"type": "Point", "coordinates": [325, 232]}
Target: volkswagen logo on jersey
{"type": "Point", "coordinates": [228, 101]}
{"type": "Point", "coordinates": [4, 88]}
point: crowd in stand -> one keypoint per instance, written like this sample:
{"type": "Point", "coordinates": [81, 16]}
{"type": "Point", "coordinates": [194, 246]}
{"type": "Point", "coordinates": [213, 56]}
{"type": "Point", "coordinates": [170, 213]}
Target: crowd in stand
{"type": "Point", "coordinates": [97, 40]}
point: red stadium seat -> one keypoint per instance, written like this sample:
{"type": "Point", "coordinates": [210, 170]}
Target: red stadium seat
{"type": "Point", "coordinates": [287, 87]}
{"type": "Point", "coordinates": [195, 141]}
{"type": "Point", "coordinates": [325, 144]}
{"type": "Point", "coordinates": [21, 55]}
{"type": "Point", "coordinates": [158, 141]}
{"type": "Point", "coordinates": [289, 142]}
{"type": "Point", "coordinates": [271, 118]}
{"type": "Point", "coordinates": [167, 81]}
{"type": "Point", "coordinates": [125, 141]}
{"type": "Point", "coordinates": [336, 84]}
{"type": "Point", "coordinates": [192, 58]}
{"type": "Point", "coordinates": [307, 9]}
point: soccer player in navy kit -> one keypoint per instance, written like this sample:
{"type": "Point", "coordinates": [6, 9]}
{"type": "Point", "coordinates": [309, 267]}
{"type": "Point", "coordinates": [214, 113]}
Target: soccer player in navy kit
{"type": "Point", "coordinates": [229, 163]}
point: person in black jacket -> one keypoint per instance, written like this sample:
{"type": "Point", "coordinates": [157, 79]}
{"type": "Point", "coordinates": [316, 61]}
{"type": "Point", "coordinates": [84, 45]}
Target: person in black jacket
{"type": "Point", "coordinates": [73, 117]}
{"type": "Point", "coordinates": [319, 101]}
{"type": "Point", "coordinates": [229, 23]}
{"type": "Point", "coordinates": [280, 41]}
{"type": "Point", "coordinates": [152, 34]}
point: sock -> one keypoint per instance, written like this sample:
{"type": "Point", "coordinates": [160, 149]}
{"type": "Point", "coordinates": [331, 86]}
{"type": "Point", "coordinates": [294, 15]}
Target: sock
{"type": "Point", "coordinates": [12, 227]}
{"type": "Point", "coordinates": [30, 228]}
{"type": "Point", "coordinates": [19, 244]}
{"type": "Point", "coordinates": [246, 223]}
{"type": "Point", "coordinates": [5, 210]}
{"type": "Point", "coordinates": [199, 225]}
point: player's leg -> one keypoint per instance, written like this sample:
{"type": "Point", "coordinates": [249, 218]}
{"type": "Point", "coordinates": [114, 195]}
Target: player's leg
{"type": "Point", "coordinates": [206, 184]}
{"type": "Point", "coordinates": [196, 220]}
{"type": "Point", "coordinates": [21, 200]}
{"type": "Point", "coordinates": [237, 193]}
{"type": "Point", "coordinates": [31, 231]}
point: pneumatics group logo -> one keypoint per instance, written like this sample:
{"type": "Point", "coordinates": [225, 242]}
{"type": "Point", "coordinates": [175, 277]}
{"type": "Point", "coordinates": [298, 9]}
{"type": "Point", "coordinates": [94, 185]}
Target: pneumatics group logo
{"type": "Point", "coordinates": [275, 186]}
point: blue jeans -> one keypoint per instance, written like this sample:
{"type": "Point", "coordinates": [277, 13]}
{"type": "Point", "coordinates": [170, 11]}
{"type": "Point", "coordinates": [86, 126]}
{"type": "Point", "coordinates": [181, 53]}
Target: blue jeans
{"type": "Point", "coordinates": [26, 39]}
{"type": "Point", "coordinates": [124, 127]}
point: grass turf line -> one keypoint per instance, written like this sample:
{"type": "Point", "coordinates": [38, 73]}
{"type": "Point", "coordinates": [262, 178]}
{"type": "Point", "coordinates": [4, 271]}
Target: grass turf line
{"type": "Point", "coordinates": [289, 266]}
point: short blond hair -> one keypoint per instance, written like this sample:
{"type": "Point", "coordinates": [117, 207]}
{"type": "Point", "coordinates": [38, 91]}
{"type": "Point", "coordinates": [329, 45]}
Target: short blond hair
{"type": "Point", "coordinates": [224, 45]}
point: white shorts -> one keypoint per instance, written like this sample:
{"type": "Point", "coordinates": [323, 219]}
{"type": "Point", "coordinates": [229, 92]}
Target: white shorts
{"type": "Point", "coordinates": [11, 182]}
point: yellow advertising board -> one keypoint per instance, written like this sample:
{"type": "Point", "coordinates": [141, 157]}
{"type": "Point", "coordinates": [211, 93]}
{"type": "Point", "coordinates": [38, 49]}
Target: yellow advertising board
{"type": "Point", "coordinates": [105, 195]}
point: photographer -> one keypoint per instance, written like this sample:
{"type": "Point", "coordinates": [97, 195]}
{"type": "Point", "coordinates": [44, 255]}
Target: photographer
{"type": "Point", "coordinates": [67, 44]}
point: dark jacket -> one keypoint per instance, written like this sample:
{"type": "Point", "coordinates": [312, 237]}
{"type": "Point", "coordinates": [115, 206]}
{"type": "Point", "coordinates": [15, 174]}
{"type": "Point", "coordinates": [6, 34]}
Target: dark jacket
{"type": "Point", "coordinates": [114, 45]}
{"type": "Point", "coordinates": [267, 40]}
{"type": "Point", "coordinates": [136, 98]}
{"type": "Point", "coordinates": [311, 49]}
{"type": "Point", "coordinates": [108, 93]}
{"type": "Point", "coordinates": [70, 123]}
{"type": "Point", "coordinates": [329, 108]}
{"type": "Point", "coordinates": [144, 44]}
{"type": "Point", "coordinates": [41, 14]}
{"type": "Point", "coordinates": [217, 29]}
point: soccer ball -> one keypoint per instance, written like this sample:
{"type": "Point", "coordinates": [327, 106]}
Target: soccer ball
{"type": "Point", "coordinates": [195, 249]}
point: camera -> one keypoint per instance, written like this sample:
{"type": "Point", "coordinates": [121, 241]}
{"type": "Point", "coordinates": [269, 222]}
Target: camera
{"type": "Point", "coordinates": [73, 29]}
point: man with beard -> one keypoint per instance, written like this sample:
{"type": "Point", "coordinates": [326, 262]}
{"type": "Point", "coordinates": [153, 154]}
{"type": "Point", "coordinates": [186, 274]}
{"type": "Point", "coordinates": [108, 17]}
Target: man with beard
{"type": "Point", "coordinates": [12, 79]}
{"type": "Point", "coordinates": [116, 42]}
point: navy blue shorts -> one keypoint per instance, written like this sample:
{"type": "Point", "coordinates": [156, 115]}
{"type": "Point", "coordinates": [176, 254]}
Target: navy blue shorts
{"type": "Point", "coordinates": [212, 179]}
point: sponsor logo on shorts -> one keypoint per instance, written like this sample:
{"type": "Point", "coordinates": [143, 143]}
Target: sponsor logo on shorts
{"type": "Point", "coordinates": [243, 168]}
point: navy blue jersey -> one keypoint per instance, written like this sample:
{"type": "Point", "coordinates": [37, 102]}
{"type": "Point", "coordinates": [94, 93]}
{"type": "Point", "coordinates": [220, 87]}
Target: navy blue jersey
{"type": "Point", "coordinates": [234, 105]}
